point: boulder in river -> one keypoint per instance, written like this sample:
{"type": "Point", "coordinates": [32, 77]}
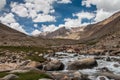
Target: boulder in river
{"type": "Point", "coordinates": [82, 64]}
{"type": "Point", "coordinates": [35, 64]}
{"type": "Point", "coordinates": [79, 76]}
{"type": "Point", "coordinates": [109, 75]}
{"type": "Point", "coordinates": [102, 78]}
{"type": "Point", "coordinates": [29, 65]}
{"type": "Point", "coordinates": [70, 75]}
{"type": "Point", "coordinates": [54, 65]}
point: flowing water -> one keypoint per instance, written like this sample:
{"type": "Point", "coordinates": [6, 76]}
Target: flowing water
{"type": "Point", "coordinates": [66, 58]}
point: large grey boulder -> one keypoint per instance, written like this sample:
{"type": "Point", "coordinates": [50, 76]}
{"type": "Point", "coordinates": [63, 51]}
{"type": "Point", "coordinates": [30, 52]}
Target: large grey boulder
{"type": "Point", "coordinates": [54, 65]}
{"type": "Point", "coordinates": [82, 64]}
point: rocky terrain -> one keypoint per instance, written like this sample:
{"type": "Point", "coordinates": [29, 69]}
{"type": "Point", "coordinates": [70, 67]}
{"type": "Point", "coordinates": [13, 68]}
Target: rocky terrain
{"type": "Point", "coordinates": [61, 66]}
{"type": "Point", "coordinates": [93, 32]}
{"type": "Point", "coordinates": [64, 33]}
{"type": "Point", "coordinates": [11, 37]}
{"type": "Point", "coordinates": [94, 56]}
{"type": "Point", "coordinates": [103, 28]}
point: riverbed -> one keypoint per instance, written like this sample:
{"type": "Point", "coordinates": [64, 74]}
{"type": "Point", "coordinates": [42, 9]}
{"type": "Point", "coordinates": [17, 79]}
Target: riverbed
{"type": "Point", "coordinates": [112, 63]}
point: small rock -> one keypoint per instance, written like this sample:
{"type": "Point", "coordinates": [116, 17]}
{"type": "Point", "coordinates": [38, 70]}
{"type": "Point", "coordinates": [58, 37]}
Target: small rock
{"type": "Point", "coordinates": [108, 59]}
{"type": "Point", "coordinates": [10, 77]}
{"type": "Point", "coordinates": [75, 55]}
{"type": "Point", "coordinates": [24, 63]}
{"type": "Point", "coordinates": [105, 69]}
{"type": "Point", "coordinates": [102, 78]}
{"type": "Point", "coordinates": [19, 71]}
{"type": "Point", "coordinates": [65, 78]}
{"type": "Point", "coordinates": [116, 65]}
{"type": "Point", "coordinates": [45, 79]}
{"type": "Point", "coordinates": [77, 74]}
{"type": "Point", "coordinates": [109, 75]}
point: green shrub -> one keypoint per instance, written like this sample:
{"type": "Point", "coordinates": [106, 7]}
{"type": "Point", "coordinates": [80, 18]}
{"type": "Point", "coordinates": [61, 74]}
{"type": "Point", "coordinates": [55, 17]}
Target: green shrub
{"type": "Point", "coordinates": [33, 75]}
{"type": "Point", "coordinates": [23, 48]}
{"type": "Point", "coordinates": [2, 74]}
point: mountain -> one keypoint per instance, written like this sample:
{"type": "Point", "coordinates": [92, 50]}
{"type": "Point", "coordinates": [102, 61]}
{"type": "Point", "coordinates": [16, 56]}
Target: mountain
{"type": "Point", "coordinates": [11, 37]}
{"type": "Point", "coordinates": [103, 28]}
{"type": "Point", "coordinates": [64, 33]}
{"type": "Point", "coordinates": [105, 34]}
{"type": "Point", "coordinates": [89, 32]}
{"type": "Point", "coordinates": [106, 31]}
{"type": "Point", "coordinates": [4, 30]}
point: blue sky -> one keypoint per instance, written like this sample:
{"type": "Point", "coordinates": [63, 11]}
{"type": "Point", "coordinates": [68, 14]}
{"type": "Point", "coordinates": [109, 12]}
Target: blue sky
{"type": "Point", "coordinates": [35, 16]}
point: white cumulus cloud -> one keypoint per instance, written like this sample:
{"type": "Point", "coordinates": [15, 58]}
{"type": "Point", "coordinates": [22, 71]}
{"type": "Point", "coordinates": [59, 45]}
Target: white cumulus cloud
{"type": "Point", "coordinates": [44, 6]}
{"type": "Point", "coordinates": [44, 18]}
{"type": "Point", "coordinates": [37, 10]}
{"type": "Point", "coordinates": [101, 15]}
{"type": "Point", "coordinates": [77, 22]}
{"type": "Point", "coordinates": [17, 27]}
{"type": "Point", "coordinates": [69, 22]}
{"type": "Point", "coordinates": [2, 3]}
{"type": "Point", "coordinates": [19, 9]}
{"type": "Point", "coordinates": [48, 28]}
{"type": "Point", "coordinates": [64, 1]}
{"type": "Point", "coordinates": [35, 32]}
{"type": "Point", "coordinates": [8, 19]}
{"type": "Point", "coordinates": [105, 8]}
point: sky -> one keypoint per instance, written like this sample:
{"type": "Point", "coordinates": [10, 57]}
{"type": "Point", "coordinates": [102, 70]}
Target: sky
{"type": "Point", "coordinates": [35, 16]}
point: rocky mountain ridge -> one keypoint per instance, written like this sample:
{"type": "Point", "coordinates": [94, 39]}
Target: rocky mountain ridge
{"type": "Point", "coordinates": [89, 32]}
{"type": "Point", "coordinates": [64, 33]}
{"type": "Point", "coordinates": [95, 32]}
{"type": "Point", "coordinates": [11, 37]}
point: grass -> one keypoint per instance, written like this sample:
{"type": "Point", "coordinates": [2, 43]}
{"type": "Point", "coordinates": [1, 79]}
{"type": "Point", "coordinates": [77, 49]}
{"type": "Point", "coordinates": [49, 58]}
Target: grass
{"type": "Point", "coordinates": [91, 42]}
{"type": "Point", "coordinates": [32, 75]}
{"type": "Point", "coordinates": [36, 58]}
{"type": "Point", "coordinates": [26, 50]}
{"type": "Point", "coordinates": [2, 74]}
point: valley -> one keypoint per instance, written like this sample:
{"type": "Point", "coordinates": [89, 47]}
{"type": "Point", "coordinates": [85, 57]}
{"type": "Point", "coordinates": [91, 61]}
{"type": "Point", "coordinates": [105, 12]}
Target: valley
{"type": "Point", "coordinates": [89, 53]}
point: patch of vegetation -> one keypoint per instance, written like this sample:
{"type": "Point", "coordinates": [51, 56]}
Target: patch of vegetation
{"type": "Point", "coordinates": [91, 43]}
{"type": "Point", "coordinates": [36, 58]}
{"type": "Point", "coordinates": [24, 48]}
{"type": "Point", "coordinates": [27, 50]}
{"type": "Point", "coordinates": [32, 75]}
{"type": "Point", "coordinates": [2, 74]}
